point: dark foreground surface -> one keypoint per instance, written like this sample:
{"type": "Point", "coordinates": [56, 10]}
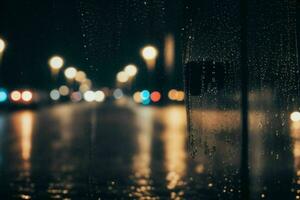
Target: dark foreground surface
{"type": "Point", "coordinates": [95, 152]}
{"type": "Point", "coordinates": [89, 151]}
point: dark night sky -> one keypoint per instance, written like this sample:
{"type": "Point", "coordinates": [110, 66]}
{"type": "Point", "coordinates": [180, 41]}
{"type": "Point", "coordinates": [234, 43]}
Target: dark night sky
{"type": "Point", "coordinates": [99, 37]}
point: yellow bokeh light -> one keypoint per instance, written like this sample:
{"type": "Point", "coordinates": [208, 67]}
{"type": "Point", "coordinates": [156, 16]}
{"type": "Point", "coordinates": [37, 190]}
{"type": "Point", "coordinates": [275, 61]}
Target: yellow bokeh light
{"type": "Point", "coordinates": [137, 97]}
{"type": "Point", "coordinates": [80, 76]}
{"type": "Point", "coordinates": [89, 96]}
{"type": "Point", "coordinates": [180, 96]}
{"type": "Point", "coordinates": [27, 96]}
{"type": "Point", "coordinates": [70, 73]}
{"type": "Point", "coordinates": [131, 70]}
{"type": "Point", "coordinates": [15, 95]}
{"type": "Point", "coordinates": [122, 77]}
{"type": "Point", "coordinates": [2, 45]}
{"type": "Point", "coordinates": [149, 52]}
{"type": "Point", "coordinates": [84, 87]}
{"type": "Point", "coordinates": [99, 96]}
{"type": "Point", "coordinates": [87, 82]}
{"type": "Point", "coordinates": [295, 116]}
{"type": "Point", "coordinates": [56, 62]}
{"type": "Point", "coordinates": [169, 52]}
{"type": "Point", "coordinates": [172, 94]}
{"type": "Point", "coordinates": [64, 90]}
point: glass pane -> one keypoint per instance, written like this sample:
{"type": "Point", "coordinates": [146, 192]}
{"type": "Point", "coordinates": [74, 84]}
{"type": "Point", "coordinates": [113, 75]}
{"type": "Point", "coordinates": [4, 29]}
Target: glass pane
{"type": "Point", "coordinates": [212, 52]}
{"type": "Point", "coordinates": [273, 96]}
{"type": "Point", "coordinates": [151, 99]}
{"type": "Point", "coordinates": [214, 74]}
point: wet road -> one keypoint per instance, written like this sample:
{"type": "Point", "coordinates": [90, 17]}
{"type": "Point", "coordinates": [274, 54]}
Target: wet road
{"type": "Point", "coordinates": [94, 152]}
{"type": "Point", "coordinates": [89, 151]}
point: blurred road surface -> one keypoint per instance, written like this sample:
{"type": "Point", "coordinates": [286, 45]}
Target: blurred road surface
{"type": "Point", "coordinates": [116, 151]}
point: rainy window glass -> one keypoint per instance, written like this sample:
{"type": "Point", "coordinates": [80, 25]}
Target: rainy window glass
{"type": "Point", "coordinates": [242, 80]}
{"type": "Point", "coordinates": [149, 99]}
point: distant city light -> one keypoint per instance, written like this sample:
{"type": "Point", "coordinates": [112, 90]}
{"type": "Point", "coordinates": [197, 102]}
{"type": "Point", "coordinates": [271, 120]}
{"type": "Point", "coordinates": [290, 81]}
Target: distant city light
{"type": "Point", "coordinates": [56, 62]}
{"type": "Point", "coordinates": [176, 95]}
{"type": "Point", "coordinates": [99, 96]}
{"type": "Point", "coordinates": [27, 96]}
{"type": "Point", "coordinates": [131, 70]}
{"type": "Point", "coordinates": [118, 94]}
{"type": "Point", "coordinates": [2, 45]}
{"type": "Point", "coordinates": [172, 94]}
{"type": "Point", "coordinates": [145, 95]}
{"type": "Point", "coordinates": [70, 73]}
{"type": "Point", "coordinates": [88, 82]}
{"type": "Point", "coordinates": [180, 96]}
{"type": "Point", "coordinates": [64, 90]}
{"type": "Point", "coordinates": [169, 53]}
{"type": "Point", "coordinates": [54, 95]}
{"type": "Point", "coordinates": [15, 95]}
{"type": "Point", "coordinates": [155, 96]}
{"type": "Point", "coordinates": [146, 102]}
{"type": "Point", "coordinates": [84, 87]}
{"type": "Point", "coordinates": [149, 53]}
{"type": "Point", "coordinates": [80, 76]}
{"type": "Point", "coordinates": [295, 116]}
{"type": "Point", "coordinates": [137, 97]}
{"type": "Point", "coordinates": [89, 96]}
{"type": "Point", "coordinates": [3, 95]}
{"type": "Point", "coordinates": [122, 77]}
{"type": "Point", "coordinates": [76, 97]}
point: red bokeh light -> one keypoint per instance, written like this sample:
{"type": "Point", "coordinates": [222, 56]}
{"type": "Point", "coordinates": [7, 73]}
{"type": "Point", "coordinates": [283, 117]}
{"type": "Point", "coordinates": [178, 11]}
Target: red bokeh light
{"type": "Point", "coordinates": [155, 96]}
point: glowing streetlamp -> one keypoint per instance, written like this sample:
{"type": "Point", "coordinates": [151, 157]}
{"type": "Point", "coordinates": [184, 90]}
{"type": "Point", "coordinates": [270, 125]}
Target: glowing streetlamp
{"type": "Point", "coordinates": [70, 73]}
{"type": "Point", "coordinates": [122, 77]}
{"type": "Point", "coordinates": [295, 116]}
{"type": "Point", "coordinates": [149, 54]}
{"type": "Point", "coordinates": [2, 46]}
{"type": "Point", "coordinates": [56, 63]}
{"type": "Point", "coordinates": [131, 70]}
{"type": "Point", "coordinates": [80, 76]}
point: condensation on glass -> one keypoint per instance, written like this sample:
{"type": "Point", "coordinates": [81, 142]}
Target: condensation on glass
{"type": "Point", "coordinates": [212, 57]}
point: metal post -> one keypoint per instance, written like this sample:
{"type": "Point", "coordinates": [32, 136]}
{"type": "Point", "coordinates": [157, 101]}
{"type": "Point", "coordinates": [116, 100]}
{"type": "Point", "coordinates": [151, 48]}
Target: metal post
{"type": "Point", "coordinates": [244, 103]}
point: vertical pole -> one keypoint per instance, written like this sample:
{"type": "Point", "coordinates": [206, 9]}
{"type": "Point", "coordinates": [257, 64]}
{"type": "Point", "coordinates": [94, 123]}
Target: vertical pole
{"type": "Point", "coordinates": [244, 103]}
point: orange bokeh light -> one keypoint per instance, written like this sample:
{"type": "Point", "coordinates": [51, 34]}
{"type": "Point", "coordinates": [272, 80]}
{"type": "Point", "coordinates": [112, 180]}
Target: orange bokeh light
{"type": "Point", "coordinates": [15, 95]}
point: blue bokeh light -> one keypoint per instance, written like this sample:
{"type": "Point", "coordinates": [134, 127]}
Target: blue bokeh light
{"type": "Point", "coordinates": [145, 95]}
{"type": "Point", "coordinates": [3, 95]}
{"type": "Point", "coordinates": [146, 102]}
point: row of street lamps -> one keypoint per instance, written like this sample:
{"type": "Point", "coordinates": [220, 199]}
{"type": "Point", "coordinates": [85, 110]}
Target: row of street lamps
{"type": "Point", "coordinates": [56, 63]}
{"type": "Point", "coordinates": [149, 54]}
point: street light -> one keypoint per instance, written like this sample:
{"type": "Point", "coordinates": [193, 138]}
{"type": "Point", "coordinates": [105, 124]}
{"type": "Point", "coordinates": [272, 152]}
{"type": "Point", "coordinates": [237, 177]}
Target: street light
{"type": "Point", "coordinates": [295, 116]}
{"type": "Point", "coordinates": [131, 70]}
{"type": "Point", "coordinates": [2, 46]}
{"type": "Point", "coordinates": [149, 54]}
{"type": "Point", "coordinates": [122, 77]}
{"type": "Point", "coordinates": [56, 62]}
{"type": "Point", "coordinates": [80, 76]}
{"type": "Point", "coordinates": [70, 73]}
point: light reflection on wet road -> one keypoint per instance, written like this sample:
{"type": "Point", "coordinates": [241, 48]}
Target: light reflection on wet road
{"type": "Point", "coordinates": [89, 151]}
{"type": "Point", "coordinates": [92, 152]}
